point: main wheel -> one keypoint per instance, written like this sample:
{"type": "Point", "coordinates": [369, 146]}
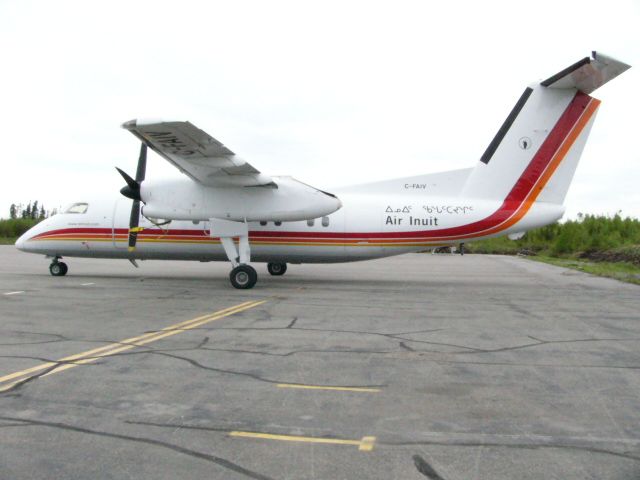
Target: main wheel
{"type": "Point", "coordinates": [58, 269]}
{"type": "Point", "coordinates": [277, 268]}
{"type": "Point", "coordinates": [243, 277]}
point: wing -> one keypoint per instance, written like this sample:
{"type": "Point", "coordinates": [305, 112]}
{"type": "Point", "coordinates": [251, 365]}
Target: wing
{"type": "Point", "coordinates": [197, 154]}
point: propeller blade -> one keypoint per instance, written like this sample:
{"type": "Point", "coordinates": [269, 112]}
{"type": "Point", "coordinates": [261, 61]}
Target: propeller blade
{"type": "Point", "coordinates": [130, 181]}
{"type": "Point", "coordinates": [133, 225]}
{"type": "Point", "coordinates": [132, 189]}
{"type": "Point", "coordinates": [142, 164]}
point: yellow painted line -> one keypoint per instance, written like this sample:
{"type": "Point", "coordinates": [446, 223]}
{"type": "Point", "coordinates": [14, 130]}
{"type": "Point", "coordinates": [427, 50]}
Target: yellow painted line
{"type": "Point", "coordinates": [327, 387]}
{"type": "Point", "coordinates": [366, 444]}
{"type": "Point", "coordinates": [127, 344]}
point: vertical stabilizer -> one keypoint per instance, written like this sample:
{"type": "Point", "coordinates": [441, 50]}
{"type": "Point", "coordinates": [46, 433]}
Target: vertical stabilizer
{"type": "Point", "coordinates": [535, 152]}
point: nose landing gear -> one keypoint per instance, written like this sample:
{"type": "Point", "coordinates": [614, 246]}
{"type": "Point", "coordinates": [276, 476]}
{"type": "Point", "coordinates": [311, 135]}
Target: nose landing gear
{"type": "Point", "coordinates": [58, 269]}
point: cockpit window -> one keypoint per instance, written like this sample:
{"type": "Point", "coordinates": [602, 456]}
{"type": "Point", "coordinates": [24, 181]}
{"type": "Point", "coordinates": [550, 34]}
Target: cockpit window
{"type": "Point", "coordinates": [77, 208]}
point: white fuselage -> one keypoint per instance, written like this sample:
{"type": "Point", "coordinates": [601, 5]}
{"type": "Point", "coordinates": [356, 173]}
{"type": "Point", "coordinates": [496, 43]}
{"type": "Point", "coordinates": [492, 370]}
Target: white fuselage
{"type": "Point", "coordinates": [368, 225]}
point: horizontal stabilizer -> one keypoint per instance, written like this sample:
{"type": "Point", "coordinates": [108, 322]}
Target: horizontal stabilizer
{"type": "Point", "coordinates": [588, 74]}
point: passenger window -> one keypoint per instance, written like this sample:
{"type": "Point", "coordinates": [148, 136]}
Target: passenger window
{"type": "Point", "coordinates": [311, 222]}
{"type": "Point", "coordinates": [277, 223]}
{"type": "Point", "coordinates": [325, 221]}
{"type": "Point", "coordinates": [263, 223]}
{"type": "Point", "coordinates": [77, 208]}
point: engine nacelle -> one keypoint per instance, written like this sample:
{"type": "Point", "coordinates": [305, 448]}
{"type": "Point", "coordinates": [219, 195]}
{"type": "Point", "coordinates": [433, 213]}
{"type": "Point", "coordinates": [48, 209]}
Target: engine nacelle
{"type": "Point", "coordinates": [184, 199]}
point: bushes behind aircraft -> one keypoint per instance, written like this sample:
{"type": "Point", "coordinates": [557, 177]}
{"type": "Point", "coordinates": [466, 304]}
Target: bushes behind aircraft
{"type": "Point", "coordinates": [22, 218]}
{"type": "Point", "coordinates": [589, 236]}
{"type": "Point", "coordinates": [14, 227]}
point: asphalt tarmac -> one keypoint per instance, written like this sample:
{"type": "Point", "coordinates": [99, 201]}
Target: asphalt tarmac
{"type": "Point", "coordinates": [414, 367]}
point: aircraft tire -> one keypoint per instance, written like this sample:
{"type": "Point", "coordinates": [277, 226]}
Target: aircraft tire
{"type": "Point", "coordinates": [243, 277]}
{"type": "Point", "coordinates": [277, 269]}
{"type": "Point", "coordinates": [58, 269]}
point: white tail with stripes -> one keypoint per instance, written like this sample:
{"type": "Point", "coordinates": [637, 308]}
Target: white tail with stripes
{"type": "Point", "coordinates": [535, 153]}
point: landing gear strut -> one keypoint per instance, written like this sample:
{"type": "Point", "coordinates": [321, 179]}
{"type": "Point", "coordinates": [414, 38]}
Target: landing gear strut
{"type": "Point", "coordinates": [277, 268]}
{"type": "Point", "coordinates": [58, 269]}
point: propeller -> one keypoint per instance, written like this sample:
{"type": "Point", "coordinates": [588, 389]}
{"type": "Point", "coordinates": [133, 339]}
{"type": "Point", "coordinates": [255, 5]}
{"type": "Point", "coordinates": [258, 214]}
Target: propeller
{"type": "Point", "coordinates": [132, 191]}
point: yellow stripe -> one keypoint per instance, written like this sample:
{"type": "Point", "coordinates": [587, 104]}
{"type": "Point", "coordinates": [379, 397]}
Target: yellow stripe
{"type": "Point", "coordinates": [325, 387]}
{"type": "Point", "coordinates": [127, 344]}
{"type": "Point", "coordinates": [364, 445]}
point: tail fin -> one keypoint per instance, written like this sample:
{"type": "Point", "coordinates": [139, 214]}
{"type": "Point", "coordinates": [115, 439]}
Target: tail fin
{"type": "Point", "coordinates": [535, 153]}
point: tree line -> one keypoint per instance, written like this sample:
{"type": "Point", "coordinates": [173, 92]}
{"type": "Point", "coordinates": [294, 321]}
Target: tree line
{"type": "Point", "coordinates": [33, 211]}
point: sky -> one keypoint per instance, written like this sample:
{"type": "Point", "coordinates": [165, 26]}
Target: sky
{"type": "Point", "coordinates": [331, 93]}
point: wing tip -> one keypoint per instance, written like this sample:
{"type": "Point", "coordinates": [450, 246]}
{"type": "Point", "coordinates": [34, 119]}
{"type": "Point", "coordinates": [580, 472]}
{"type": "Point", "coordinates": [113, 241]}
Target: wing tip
{"type": "Point", "coordinates": [141, 122]}
{"type": "Point", "coordinates": [129, 125]}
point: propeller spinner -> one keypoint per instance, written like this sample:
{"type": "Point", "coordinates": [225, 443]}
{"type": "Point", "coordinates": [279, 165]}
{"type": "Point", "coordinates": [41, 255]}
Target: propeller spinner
{"type": "Point", "coordinates": [132, 191]}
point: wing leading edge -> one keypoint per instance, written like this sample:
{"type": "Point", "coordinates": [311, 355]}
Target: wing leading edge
{"type": "Point", "coordinates": [197, 154]}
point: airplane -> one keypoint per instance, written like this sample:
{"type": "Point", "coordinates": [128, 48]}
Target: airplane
{"type": "Point", "coordinates": [224, 209]}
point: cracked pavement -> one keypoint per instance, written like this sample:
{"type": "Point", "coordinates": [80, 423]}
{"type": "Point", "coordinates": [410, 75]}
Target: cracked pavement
{"type": "Point", "coordinates": [470, 367]}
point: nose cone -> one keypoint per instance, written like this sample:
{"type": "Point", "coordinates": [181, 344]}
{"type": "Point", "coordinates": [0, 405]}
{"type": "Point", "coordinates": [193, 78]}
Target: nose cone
{"type": "Point", "coordinates": [21, 243]}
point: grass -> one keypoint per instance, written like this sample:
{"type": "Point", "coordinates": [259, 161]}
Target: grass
{"type": "Point", "coordinates": [8, 240]}
{"type": "Point", "coordinates": [623, 271]}
{"type": "Point", "coordinates": [600, 245]}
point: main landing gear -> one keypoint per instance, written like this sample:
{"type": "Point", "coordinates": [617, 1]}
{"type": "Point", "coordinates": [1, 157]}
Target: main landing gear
{"type": "Point", "coordinates": [58, 269]}
{"type": "Point", "coordinates": [243, 275]}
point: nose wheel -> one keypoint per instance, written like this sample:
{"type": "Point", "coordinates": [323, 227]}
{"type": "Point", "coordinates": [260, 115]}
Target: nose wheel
{"type": "Point", "coordinates": [58, 269]}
